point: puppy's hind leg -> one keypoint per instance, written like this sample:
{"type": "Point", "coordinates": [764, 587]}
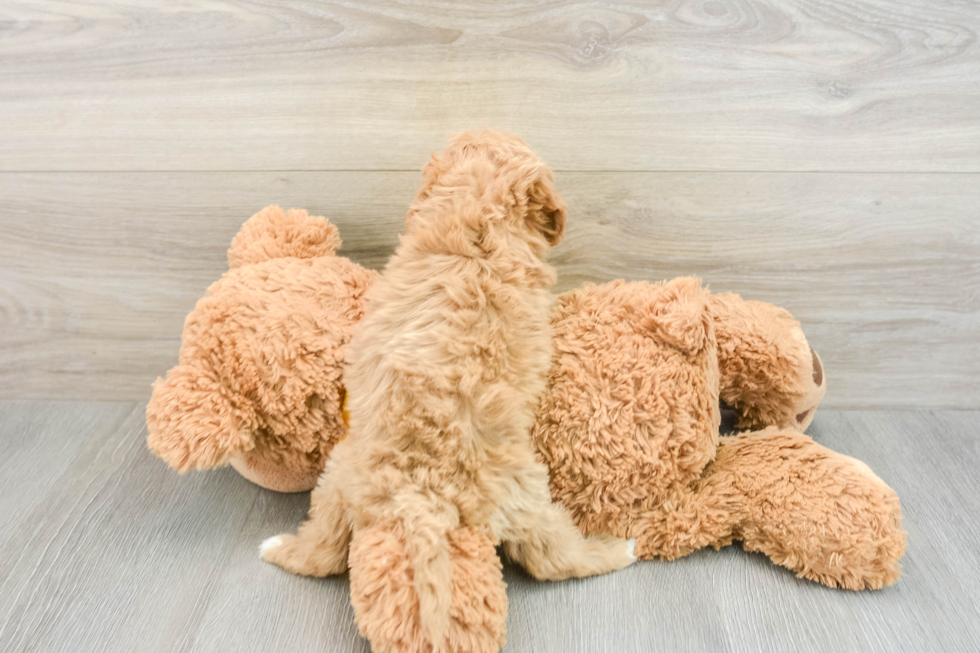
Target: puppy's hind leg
{"type": "Point", "coordinates": [320, 546]}
{"type": "Point", "coordinates": [541, 536]}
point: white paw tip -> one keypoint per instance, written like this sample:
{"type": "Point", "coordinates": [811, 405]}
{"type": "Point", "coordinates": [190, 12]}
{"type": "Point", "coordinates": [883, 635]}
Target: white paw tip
{"type": "Point", "coordinates": [270, 543]}
{"type": "Point", "coordinates": [631, 549]}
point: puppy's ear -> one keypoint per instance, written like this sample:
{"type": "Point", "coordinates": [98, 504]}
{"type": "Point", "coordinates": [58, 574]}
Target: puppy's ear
{"type": "Point", "coordinates": [546, 209]}
{"type": "Point", "coordinates": [533, 189]}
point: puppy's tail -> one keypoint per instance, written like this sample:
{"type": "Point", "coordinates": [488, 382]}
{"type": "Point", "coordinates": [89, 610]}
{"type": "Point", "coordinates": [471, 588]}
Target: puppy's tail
{"type": "Point", "coordinates": [427, 547]}
{"type": "Point", "coordinates": [400, 597]}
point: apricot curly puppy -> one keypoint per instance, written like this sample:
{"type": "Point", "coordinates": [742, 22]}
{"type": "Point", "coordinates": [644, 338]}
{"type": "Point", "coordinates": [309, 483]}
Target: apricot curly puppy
{"type": "Point", "coordinates": [444, 374]}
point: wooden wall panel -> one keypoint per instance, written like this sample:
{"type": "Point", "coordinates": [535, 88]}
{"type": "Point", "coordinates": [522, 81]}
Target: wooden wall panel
{"type": "Point", "coordinates": [99, 269]}
{"type": "Point", "coordinates": [865, 85]}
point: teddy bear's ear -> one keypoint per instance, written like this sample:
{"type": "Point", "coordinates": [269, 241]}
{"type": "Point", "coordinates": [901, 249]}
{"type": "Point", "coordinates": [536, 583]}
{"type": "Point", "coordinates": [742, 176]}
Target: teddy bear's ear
{"type": "Point", "coordinates": [192, 423]}
{"type": "Point", "coordinates": [679, 314]}
{"type": "Point", "coordinates": [275, 233]}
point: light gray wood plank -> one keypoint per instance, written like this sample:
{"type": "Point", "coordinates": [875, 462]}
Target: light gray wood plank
{"type": "Point", "coordinates": [53, 432]}
{"type": "Point", "coordinates": [95, 288]}
{"type": "Point", "coordinates": [124, 555]}
{"type": "Point", "coordinates": [716, 85]}
{"type": "Point", "coordinates": [882, 270]}
{"type": "Point", "coordinates": [653, 606]}
{"type": "Point", "coordinates": [120, 554]}
{"type": "Point", "coordinates": [258, 607]}
{"type": "Point", "coordinates": [719, 601]}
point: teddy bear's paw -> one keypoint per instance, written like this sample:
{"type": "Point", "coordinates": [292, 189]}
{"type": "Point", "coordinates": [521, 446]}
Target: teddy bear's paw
{"type": "Point", "coordinates": [815, 388]}
{"type": "Point", "coordinates": [824, 515]}
{"type": "Point", "coordinates": [192, 422]}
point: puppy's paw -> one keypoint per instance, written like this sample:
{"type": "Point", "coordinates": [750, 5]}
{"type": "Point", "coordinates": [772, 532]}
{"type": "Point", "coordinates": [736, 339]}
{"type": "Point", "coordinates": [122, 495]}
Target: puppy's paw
{"type": "Point", "coordinates": [631, 550]}
{"type": "Point", "coordinates": [616, 552]}
{"type": "Point", "coordinates": [627, 552]}
{"type": "Point", "coordinates": [270, 546]}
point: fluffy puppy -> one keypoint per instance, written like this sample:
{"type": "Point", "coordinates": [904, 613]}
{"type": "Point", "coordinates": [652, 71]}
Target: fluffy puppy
{"type": "Point", "coordinates": [443, 376]}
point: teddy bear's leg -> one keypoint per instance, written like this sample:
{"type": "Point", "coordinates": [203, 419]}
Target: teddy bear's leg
{"type": "Point", "coordinates": [386, 602]}
{"type": "Point", "coordinates": [685, 519]}
{"type": "Point", "coordinates": [824, 515]}
{"type": "Point", "coordinates": [769, 373]}
{"type": "Point", "coordinates": [320, 546]}
{"type": "Point", "coordinates": [541, 536]}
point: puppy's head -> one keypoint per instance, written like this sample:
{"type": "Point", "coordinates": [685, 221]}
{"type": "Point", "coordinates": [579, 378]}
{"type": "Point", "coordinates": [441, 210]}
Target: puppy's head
{"type": "Point", "coordinates": [498, 171]}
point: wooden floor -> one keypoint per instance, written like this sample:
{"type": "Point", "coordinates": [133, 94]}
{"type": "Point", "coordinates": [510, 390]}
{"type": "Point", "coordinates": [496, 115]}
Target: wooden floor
{"type": "Point", "coordinates": [103, 548]}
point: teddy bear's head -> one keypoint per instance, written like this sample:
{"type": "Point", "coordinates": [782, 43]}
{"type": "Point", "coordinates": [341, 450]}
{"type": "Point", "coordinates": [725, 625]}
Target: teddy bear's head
{"type": "Point", "coordinates": [258, 384]}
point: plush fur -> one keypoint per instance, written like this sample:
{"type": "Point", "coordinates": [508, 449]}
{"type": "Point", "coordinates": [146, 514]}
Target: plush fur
{"type": "Point", "coordinates": [259, 380]}
{"type": "Point", "coordinates": [769, 373]}
{"type": "Point", "coordinates": [263, 319]}
{"type": "Point", "coordinates": [444, 373]}
{"type": "Point", "coordinates": [629, 430]}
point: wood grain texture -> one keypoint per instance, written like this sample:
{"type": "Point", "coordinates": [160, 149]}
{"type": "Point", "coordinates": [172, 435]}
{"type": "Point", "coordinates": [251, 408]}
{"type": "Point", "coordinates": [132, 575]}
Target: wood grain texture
{"type": "Point", "coordinates": [883, 270]}
{"type": "Point", "coordinates": [115, 552]}
{"type": "Point", "coordinates": [111, 551]}
{"type": "Point", "coordinates": [258, 607]}
{"type": "Point", "coordinates": [865, 85]}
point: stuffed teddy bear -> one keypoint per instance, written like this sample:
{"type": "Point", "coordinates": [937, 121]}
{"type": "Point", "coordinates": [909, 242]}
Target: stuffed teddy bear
{"type": "Point", "coordinates": [628, 426]}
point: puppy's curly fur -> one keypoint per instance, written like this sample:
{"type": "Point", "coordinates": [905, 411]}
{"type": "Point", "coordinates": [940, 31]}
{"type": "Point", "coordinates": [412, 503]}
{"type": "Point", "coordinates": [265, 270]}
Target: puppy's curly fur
{"type": "Point", "coordinates": [444, 374]}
